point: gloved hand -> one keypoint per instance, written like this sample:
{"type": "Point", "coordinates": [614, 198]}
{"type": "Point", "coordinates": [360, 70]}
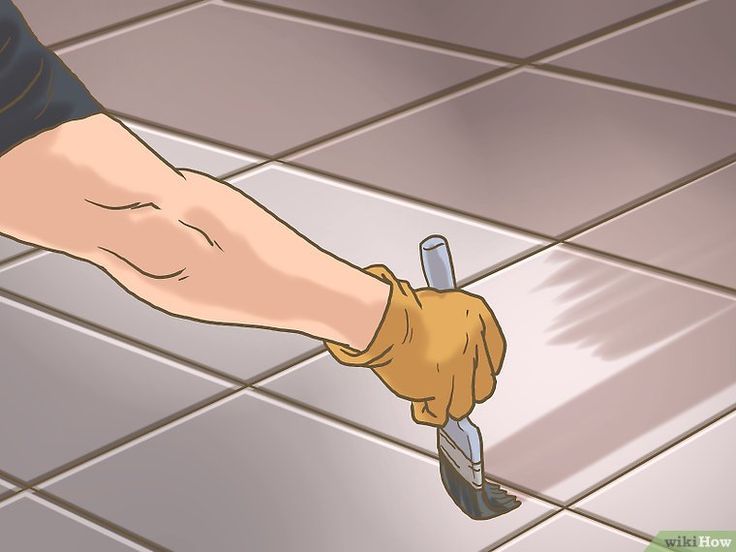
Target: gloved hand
{"type": "Point", "coordinates": [441, 350]}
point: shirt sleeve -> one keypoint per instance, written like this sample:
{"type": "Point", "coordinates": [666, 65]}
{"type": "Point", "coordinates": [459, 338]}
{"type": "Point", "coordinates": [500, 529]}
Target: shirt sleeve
{"type": "Point", "coordinates": [37, 91]}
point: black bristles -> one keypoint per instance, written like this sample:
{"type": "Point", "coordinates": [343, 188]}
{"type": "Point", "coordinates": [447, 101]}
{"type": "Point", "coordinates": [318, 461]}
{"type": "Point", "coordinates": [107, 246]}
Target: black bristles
{"type": "Point", "coordinates": [480, 504]}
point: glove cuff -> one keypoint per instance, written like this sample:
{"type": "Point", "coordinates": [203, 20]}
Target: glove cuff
{"type": "Point", "coordinates": [393, 331]}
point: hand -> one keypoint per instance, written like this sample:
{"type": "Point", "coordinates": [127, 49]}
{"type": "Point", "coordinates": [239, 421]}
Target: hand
{"type": "Point", "coordinates": [441, 350]}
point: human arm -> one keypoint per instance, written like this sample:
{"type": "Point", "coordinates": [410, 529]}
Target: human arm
{"type": "Point", "coordinates": [182, 241]}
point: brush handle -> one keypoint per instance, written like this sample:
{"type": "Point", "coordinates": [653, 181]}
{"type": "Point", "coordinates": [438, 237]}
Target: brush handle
{"type": "Point", "coordinates": [440, 275]}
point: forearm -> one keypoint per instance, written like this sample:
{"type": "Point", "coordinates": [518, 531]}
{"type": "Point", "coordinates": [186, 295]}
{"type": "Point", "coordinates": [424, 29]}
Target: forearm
{"type": "Point", "coordinates": [181, 241]}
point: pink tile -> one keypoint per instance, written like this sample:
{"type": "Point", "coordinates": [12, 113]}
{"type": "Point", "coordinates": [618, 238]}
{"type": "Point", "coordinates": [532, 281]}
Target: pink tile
{"type": "Point", "coordinates": [689, 487]}
{"type": "Point", "coordinates": [691, 231]}
{"type": "Point", "coordinates": [53, 21]}
{"type": "Point", "coordinates": [515, 27]}
{"type": "Point", "coordinates": [253, 474]}
{"type": "Point", "coordinates": [542, 153]}
{"type": "Point", "coordinates": [691, 51]}
{"type": "Point", "coordinates": [259, 82]}
{"type": "Point", "coordinates": [569, 531]}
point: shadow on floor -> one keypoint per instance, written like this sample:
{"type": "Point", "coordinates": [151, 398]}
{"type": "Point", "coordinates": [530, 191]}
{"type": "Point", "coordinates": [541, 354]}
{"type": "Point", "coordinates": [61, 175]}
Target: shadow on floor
{"type": "Point", "coordinates": [680, 351]}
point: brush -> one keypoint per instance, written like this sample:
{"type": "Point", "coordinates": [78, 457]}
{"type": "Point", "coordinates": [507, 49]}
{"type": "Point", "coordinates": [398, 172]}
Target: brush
{"type": "Point", "coordinates": [459, 442]}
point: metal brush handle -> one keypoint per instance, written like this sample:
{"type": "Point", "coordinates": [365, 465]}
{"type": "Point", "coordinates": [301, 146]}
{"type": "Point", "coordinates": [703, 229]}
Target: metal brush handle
{"type": "Point", "coordinates": [462, 434]}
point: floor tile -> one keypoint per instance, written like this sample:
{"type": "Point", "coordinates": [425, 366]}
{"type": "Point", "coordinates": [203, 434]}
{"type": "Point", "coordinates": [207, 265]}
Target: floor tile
{"type": "Point", "coordinates": [30, 524]}
{"type": "Point", "coordinates": [650, 498]}
{"type": "Point", "coordinates": [77, 392]}
{"type": "Point", "coordinates": [54, 21]}
{"type": "Point", "coordinates": [691, 231]}
{"type": "Point", "coordinates": [568, 531]}
{"type": "Point", "coordinates": [349, 230]}
{"type": "Point", "coordinates": [259, 82]}
{"type": "Point", "coordinates": [589, 345]}
{"type": "Point", "coordinates": [542, 153]}
{"type": "Point", "coordinates": [220, 481]}
{"type": "Point", "coordinates": [10, 248]}
{"type": "Point", "coordinates": [368, 227]}
{"type": "Point", "coordinates": [690, 51]}
{"type": "Point", "coordinates": [519, 28]}
{"type": "Point", "coordinates": [187, 153]}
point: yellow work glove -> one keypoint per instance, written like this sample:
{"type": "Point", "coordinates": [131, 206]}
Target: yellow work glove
{"type": "Point", "coordinates": [441, 350]}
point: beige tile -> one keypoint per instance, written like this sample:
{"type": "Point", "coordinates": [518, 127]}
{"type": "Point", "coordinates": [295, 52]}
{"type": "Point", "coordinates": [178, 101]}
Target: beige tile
{"type": "Point", "coordinates": [541, 153]}
{"type": "Point", "coordinates": [250, 473]}
{"type": "Point", "coordinates": [53, 21]}
{"type": "Point", "coordinates": [30, 524]}
{"type": "Point", "coordinates": [689, 487]}
{"type": "Point", "coordinates": [514, 27]}
{"type": "Point", "coordinates": [690, 51]}
{"type": "Point", "coordinates": [598, 372]}
{"type": "Point", "coordinates": [691, 231]}
{"type": "Point", "coordinates": [258, 82]}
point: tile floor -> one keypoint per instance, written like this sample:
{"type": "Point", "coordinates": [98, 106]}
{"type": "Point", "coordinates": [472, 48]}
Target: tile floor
{"type": "Point", "coordinates": [587, 191]}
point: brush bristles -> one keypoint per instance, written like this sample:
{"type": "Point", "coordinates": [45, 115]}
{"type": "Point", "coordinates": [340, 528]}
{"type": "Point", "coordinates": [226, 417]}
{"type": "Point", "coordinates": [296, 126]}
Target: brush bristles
{"type": "Point", "coordinates": [488, 502]}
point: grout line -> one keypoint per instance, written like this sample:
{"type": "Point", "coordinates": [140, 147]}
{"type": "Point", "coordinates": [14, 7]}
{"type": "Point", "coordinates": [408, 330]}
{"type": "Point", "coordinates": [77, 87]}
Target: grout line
{"type": "Point", "coordinates": [134, 23]}
{"type": "Point", "coordinates": [388, 194]}
{"type": "Point", "coordinates": [177, 132]}
{"type": "Point", "coordinates": [410, 108]}
{"type": "Point", "coordinates": [630, 24]}
{"type": "Point", "coordinates": [100, 521]}
{"type": "Point", "coordinates": [573, 503]}
{"type": "Point", "coordinates": [132, 439]}
{"type": "Point", "coordinates": [493, 76]}
{"type": "Point", "coordinates": [708, 171]}
{"type": "Point", "coordinates": [364, 31]}
{"type": "Point", "coordinates": [405, 201]}
{"type": "Point", "coordinates": [230, 394]}
{"type": "Point", "coordinates": [192, 411]}
{"type": "Point", "coordinates": [140, 129]}
{"type": "Point", "coordinates": [10, 478]}
{"type": "Point", "coordinates": [120, 25]}
{"type": "Point", "coordinates": [372, 31]}
{"type": "Point", "coordinates": [405, 110]}
{"type": "Point", "coordinates": [451, 92]}
{"type": "Point", "coordinates": [48, 505]}
{"type": "Point", "coordinates": [564, 237]}
{"type": "Point", "coordinates": [21, 258]}
{"type": "Point", "coordinates": [126, 441]}
{"type": "Point", "coordinates": [670, 275]}
{"type": "Point", "coordinates": [638, 89]}
{"type": "Point", "coordinates": [597, 35]}
{"type": "Point", "coordinates": [614, 29]}
{"type": "Point", "coordinates": [387, 439]}
{"type": "Point", "coordinates": [237, 173]}
{"type": "Point", "coordinates": [522, 530]}
{"type": "Point", "coordinates": [101, 332]}
{"type": "Point", "coordinates": [649, 197]}
{"type": "Point", "coordinates": [608, 523]}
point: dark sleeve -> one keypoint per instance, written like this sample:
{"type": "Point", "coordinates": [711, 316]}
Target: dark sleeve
{"type": "Point", "coordinates": [37, 91]}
